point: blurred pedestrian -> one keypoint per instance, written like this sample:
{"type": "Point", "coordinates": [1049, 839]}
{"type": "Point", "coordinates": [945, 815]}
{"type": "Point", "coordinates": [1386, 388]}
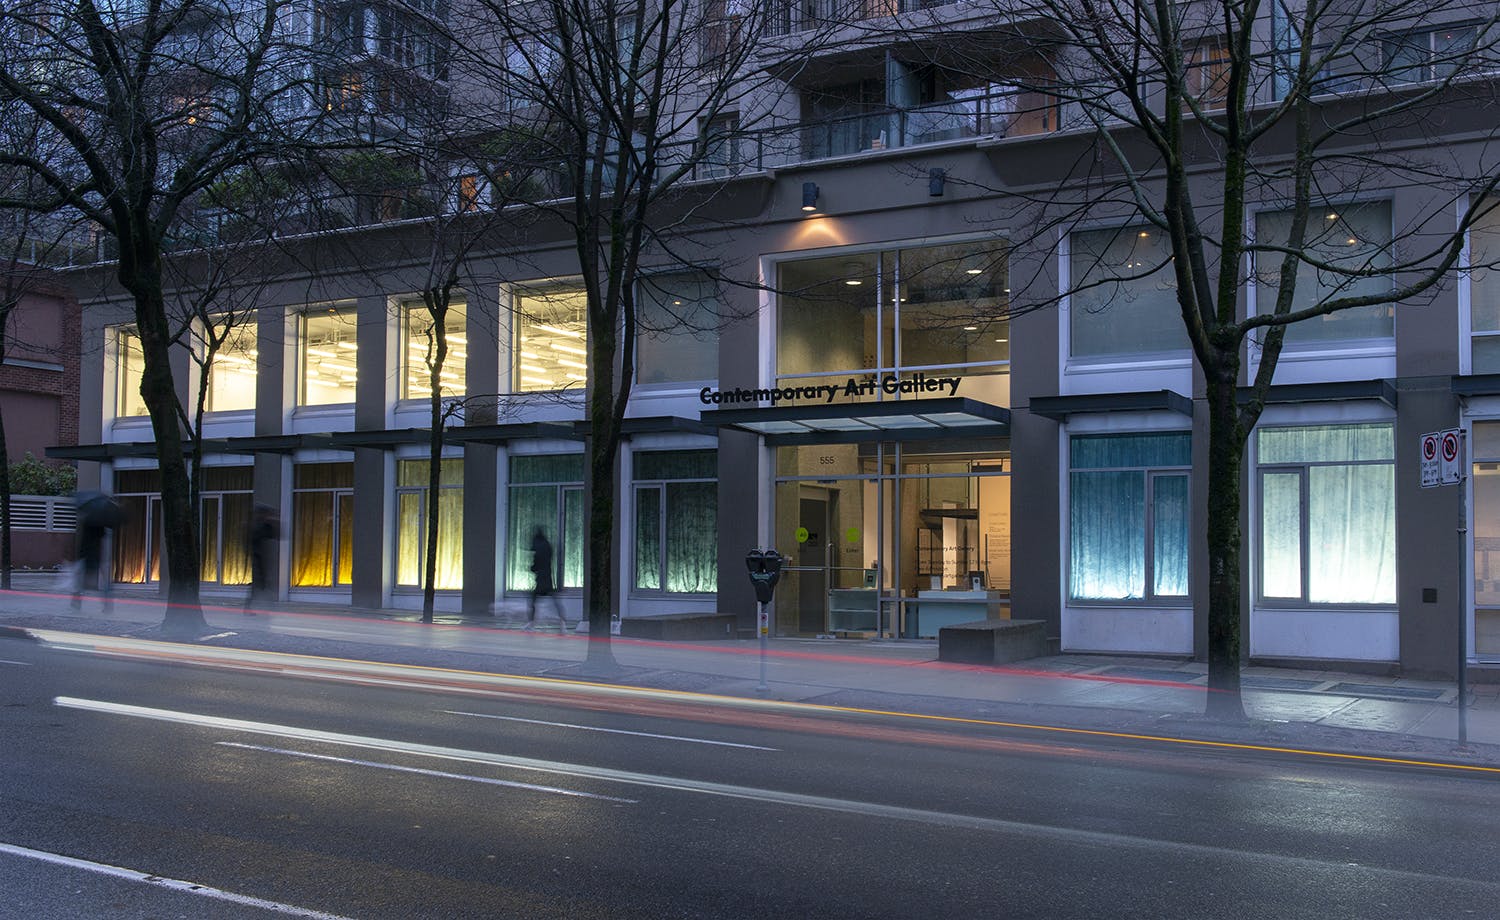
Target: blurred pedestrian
{"type": "Point", "coordinates": [265, 531]}
{"type": "Point", "coordinates": [97, 514]}
{"type": "Point", "coordinates": [541, 568]}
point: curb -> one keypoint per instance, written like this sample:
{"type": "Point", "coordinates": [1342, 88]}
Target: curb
{"type": "Point", "coordinates": [16, 632]}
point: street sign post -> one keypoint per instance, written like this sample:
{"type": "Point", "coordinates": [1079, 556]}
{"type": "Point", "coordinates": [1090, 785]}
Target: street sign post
{"type": "Point", "coordinates": [1442, 464]}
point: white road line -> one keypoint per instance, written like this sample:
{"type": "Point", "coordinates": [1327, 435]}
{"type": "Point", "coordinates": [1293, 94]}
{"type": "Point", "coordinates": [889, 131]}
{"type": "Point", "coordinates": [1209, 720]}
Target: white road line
{"type": "Point", "coordinates": [418, 770]}
{"type": "Point", "coordinates": [613, 731]}
{"type": "Point", "coordinates": [23, 664]}
{"type": "Point", "coordinates": [1104, 840]}
{"type": "Point", "coordinates": [171, 884]}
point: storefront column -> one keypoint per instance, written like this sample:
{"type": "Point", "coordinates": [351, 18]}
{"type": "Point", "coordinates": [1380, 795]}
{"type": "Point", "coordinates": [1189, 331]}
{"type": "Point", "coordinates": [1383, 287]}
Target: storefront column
{"type": "Point", "coordinates": [372, 539]}
{"type": "Point", "coordinates": [481, 523]}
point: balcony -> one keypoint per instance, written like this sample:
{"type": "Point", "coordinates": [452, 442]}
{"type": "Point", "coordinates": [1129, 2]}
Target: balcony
{"type": "Point", "coordinates": [996, 115]}
{"type": "Point", "coordinates": [790, 16]}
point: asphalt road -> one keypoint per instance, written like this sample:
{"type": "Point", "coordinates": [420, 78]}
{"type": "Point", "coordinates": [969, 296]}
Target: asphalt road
{"type": "Point", "coordinates": [280, 792]}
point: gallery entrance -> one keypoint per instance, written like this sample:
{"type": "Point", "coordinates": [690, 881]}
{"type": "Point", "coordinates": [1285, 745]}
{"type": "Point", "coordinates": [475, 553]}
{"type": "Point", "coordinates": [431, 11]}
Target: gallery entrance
{"type": "Point", "coordinates": [892, 539]}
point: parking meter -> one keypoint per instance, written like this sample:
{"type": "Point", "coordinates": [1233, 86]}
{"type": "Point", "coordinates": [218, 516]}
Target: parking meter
{"type": "Point", "coordinates": [765, 572]}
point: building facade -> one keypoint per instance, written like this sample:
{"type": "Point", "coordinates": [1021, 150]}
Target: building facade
{"type": "Point", "coordinates": [873, 373]}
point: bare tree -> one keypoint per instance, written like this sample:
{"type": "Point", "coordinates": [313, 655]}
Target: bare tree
{"type": "Point", "coordinates": [150, 102]}
{"type": "Point", "coordinates": [1197, 114]}
{"type": "Point", "coordinates": [642, 108]}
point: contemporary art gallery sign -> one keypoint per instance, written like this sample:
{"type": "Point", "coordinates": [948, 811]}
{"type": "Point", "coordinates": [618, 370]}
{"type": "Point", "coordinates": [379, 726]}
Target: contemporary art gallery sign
{"type": "Point", "coordinates": [853, 388]}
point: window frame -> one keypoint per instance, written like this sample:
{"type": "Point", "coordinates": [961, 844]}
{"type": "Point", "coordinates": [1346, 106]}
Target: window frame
{"type": "Point", "coordinates": [410, 364]}
{"type": "Point", "coordinates": [1151, 473]}
{"type": "Point", "coordinates": [661, 487]}
{"type": "Point", "coordinates": [420, 491]}
{"type": "Point", "coordinates": [1304, 512]}
{"type": "Point", "coordinates": [346, 313]}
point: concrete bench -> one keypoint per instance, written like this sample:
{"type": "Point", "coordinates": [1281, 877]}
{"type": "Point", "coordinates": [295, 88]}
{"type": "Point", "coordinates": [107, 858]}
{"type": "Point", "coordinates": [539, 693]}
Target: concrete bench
{"type": "Point", "coordinates": [992, 641]}
{"type": "Point", "coordinates": [680, 626]}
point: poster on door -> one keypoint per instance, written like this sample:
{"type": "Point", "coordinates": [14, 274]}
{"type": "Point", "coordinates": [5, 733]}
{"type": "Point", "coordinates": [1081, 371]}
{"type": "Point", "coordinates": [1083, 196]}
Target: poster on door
{"type": "Point", "coordinates": [994, 530]}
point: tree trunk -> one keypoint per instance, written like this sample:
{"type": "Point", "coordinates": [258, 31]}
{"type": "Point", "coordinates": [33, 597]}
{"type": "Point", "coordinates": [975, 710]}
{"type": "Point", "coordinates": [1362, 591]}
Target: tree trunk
{"type": "Point", "coordinates": [1226, 443]}
{"type": "Point", "coordinates": [603, 447]}
{"type": "Point", "coordinates": [184, 615]}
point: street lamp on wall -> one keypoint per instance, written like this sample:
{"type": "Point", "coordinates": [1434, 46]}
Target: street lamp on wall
{"type": "Point", "coordinates": [809, 196]}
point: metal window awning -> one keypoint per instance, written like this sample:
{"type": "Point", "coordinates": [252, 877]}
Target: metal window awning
{"type": "Point", "coordinates": [248, 445]}
{"type": "Point", "coordinates": [848, 423]}
{"type": "Point", "coordinates": [514, 431]}
{"type": "Point", "coordinates": [384, 439]}
{"type": "Point", "coordinates": [1058, 408]}
{"type": "Point", "coordinates": [1334, 391]}
{"type": "Point", "coordinates": [1475, 385]}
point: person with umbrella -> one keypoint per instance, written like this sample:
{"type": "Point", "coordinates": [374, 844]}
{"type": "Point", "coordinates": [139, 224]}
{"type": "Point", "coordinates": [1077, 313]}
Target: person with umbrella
{"type": "Point", "coordinates": [97, 513]}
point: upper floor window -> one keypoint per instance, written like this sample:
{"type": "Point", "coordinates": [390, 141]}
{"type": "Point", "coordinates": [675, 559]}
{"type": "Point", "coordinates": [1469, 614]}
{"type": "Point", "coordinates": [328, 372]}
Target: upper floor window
{"type": "Point", "coordinates": [1208, 74]}
{"type": "Point", "coordinates": [326, 359]}
{"type": "Point", "coordinates": [678, 329]}
{"type": "Point", "coordinates": [419, 350]}
{"type": "Point", "coordinates": [1484, 292]}
{"type": "Point", "coordinates": [1354, 242]}
{"type": "Point", "coordinates": [1124, 294]}
{"type": "Point", "coordinates": [231, 375]}
{"type": "Point", "coordinates": [130, 362]}
{"type": "Point", "coordinates": [551, 339]}
{"type": "Point", "coordinates": [1427, 54]}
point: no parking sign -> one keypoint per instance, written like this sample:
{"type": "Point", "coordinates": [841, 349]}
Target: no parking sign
{"type": "Point", "coordinates": [1442, 457]}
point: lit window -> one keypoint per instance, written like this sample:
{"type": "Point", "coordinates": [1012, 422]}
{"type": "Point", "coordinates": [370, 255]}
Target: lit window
{"type": "Point", "coordinates": [129, 365]}
{"type": "Point", "coordinates": [1327, 514]}
{"type": "Point", "coordinates": [1207, 79]}
{"type": "Point", "coordinates": [676, 522]}
{"type": "Point", "coordinates": [327, 360]}
{"type": "Point", "coordinates": [1128, 517]}
{"type": "Point", "coordinates": [419, 351]}
{"type": "Point", "coordinates": [552, 340]}
{"type": "Point", "coordinates": [546, 493]}
{"type": "Point", "coordinates": [231, 376]}
{"type": "Point", "coordinates": [1124, 294]}
{"type": "Point", "coordinates": [411, 524]}
{"type": "Point", "coordinates": [1349, 239]}
{"type": "Point", "coordinates": [322, 525]}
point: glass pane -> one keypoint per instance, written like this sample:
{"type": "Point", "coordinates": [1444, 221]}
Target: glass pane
{"type": "Point", "coordinates": [648, 539]}
{"type": "Point", "coordinates": [450, 542]}
{"type": "Point", "coordinates": [692, 537]}
{"type": "Point", "coordinates": [1486, 532]}
{"type": "Point", "coordinates": [952, 305]}
{"type": "Point", "coordinates": [552, 335]}
{"type": "Point", "coordinates": [410, 525]}
{"type": "Point", "coordinates": [208, 536]}
{"type": "Point", "coordinates": [1484, 441]}
{"type": "Point", "coordinates": [680, 464]}
{"type": "Point", "coordinates": [678, 328]}
{"type": "Point", "coordinates": [573, 527]}
{"type": "Point", "coordinates": [1484, 283]}
{"type": "Point", "coordinates": [546, 468]}
{"type": "Point", "coordinates": [1486, 355]}
{"type": "Point", "coordinates": [1347, 238]}
{"type": "Point", "coordinates": [130, 540]}
{"type": "Point", "coordinates": [1281, 534]}
{"type": "Point", "coordinates": [1326, 444]}
{"type": "Point", "coordinates": [131, 360]}
{"type": "Point", "coordinates": [231, 376]}
{"type": "Point", "coordinates": [1111, 451]}
{"type": "Point", "coordinates": [414, 473]}
{"type": "Point", "coordinates": [420, 335]}
{"type": "Point", "coordinates": [530, 507]}
{"type": "Point", "coordinates": [1107, 526]}
{"type": "Point", "coordinates": [237, 509]}
{"type": "Point", "coordinates": [826, 316]}
{"type": "Point", "coordinates": [346, 539]}
{"type": "Point", "coordinates": [1124, 298]}
{"type": "Point", "coordinates": [228, 478]}
{"type": "Point", "coordinates": [312, 539]}
{"type": "Point", "coordinates": [323, 476]}
{"type": "Point", "coordinates": [153, 505]}
{"type": "Point", "coordinates": [1170, 515]}
{"type": "Point", "coordinates": [1352, 534]}
{"type": "Point", "coordinates": [328, 357]}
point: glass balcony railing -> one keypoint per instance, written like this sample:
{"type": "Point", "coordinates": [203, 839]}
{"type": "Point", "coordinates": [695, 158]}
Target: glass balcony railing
{"type": "Point", "coordinates": [1011, 114]}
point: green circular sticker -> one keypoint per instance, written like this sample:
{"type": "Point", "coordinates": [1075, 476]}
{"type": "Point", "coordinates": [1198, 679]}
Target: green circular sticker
{"type": "Point", "coordinates": [802, 534]}
{"type": "Point", "coordinates": [852, 535]}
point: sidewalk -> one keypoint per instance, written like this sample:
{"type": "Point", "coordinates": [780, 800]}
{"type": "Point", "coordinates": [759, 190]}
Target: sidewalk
{"type": "Point", "coordinates": [1316, 709]}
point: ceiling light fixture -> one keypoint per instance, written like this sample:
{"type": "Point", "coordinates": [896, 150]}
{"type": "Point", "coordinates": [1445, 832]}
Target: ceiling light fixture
{"type": "Point", "coordinates": [809, 196]}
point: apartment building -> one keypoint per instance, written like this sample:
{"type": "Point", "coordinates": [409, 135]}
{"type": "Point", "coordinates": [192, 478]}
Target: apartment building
{"type": "Point", "coordinates": [884, 385]}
